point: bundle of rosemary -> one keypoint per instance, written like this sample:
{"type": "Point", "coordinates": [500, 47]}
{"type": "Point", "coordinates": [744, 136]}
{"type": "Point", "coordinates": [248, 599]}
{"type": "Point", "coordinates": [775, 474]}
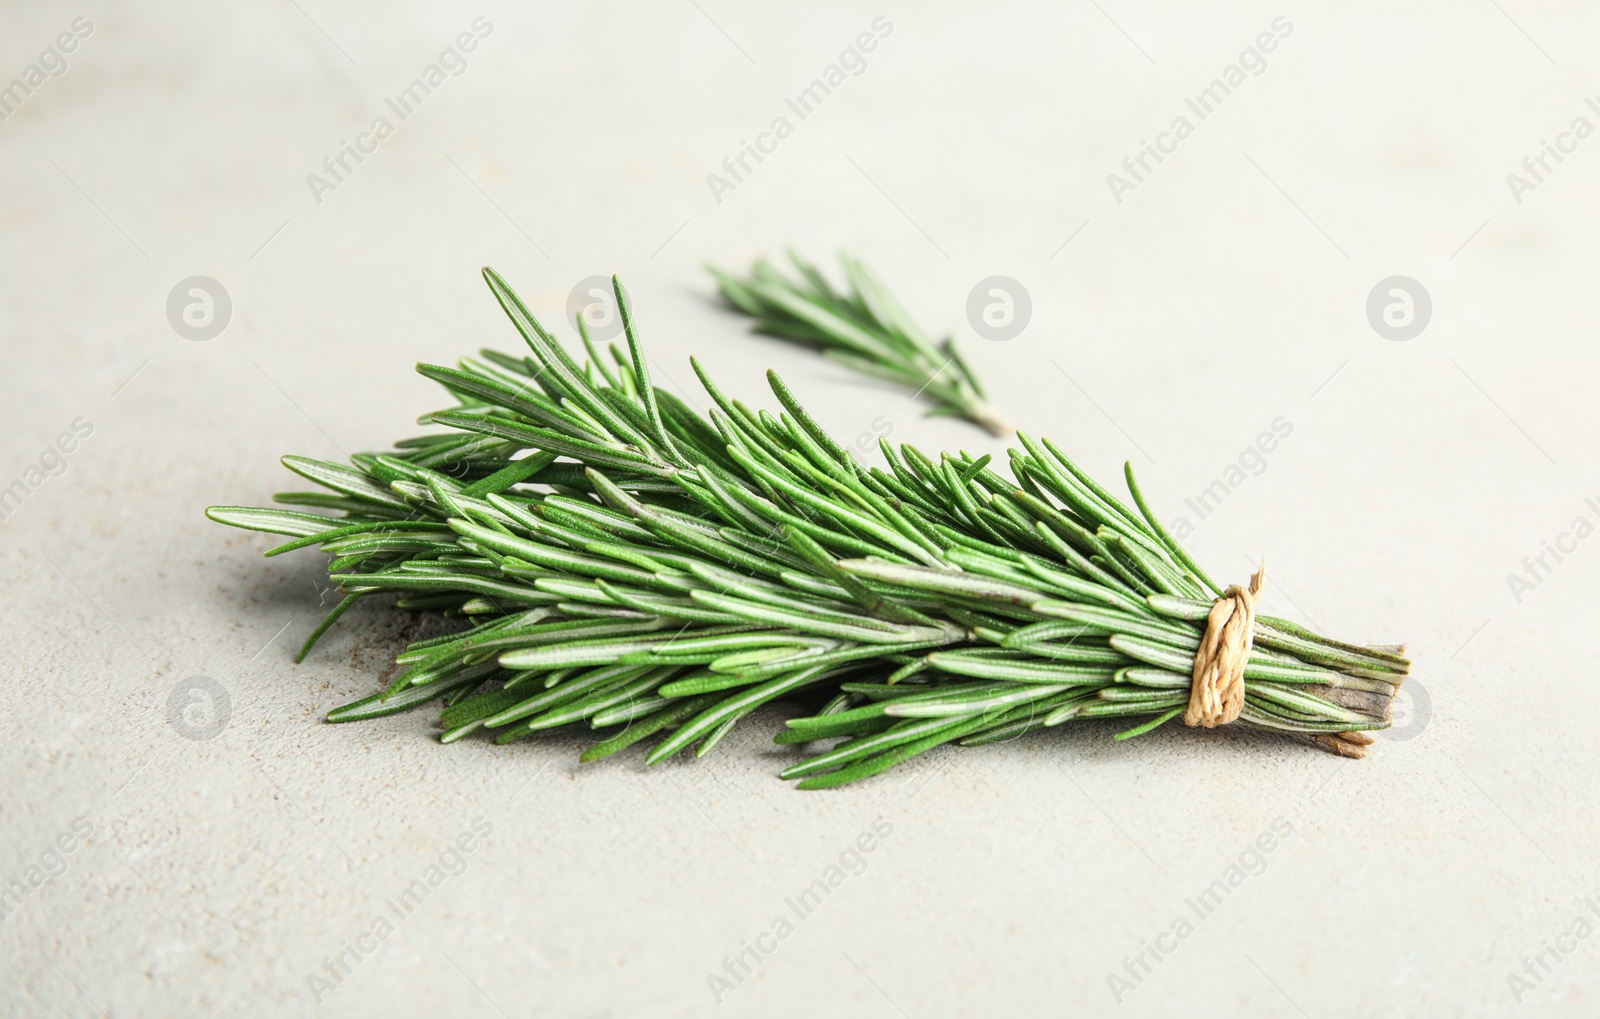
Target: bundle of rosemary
{"type": "Point", "coordinates": [628, 564]}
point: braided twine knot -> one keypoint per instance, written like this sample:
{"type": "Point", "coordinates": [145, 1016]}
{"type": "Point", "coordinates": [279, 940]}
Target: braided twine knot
{"type": "Point", "coordinates": [1216, 687]}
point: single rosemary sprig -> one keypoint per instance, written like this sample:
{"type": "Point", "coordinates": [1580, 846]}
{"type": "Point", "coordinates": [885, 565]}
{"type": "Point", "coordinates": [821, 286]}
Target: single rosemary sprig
{"type": "Point", "coordinates": [628, 564]}
{"type": "Point", "coordinates": [864, 328]}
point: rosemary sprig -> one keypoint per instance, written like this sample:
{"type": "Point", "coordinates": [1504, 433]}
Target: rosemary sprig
{"type": "Point", "coordinates": [864, 328]}
{"type": "Point", "coordinates": [627, 564]}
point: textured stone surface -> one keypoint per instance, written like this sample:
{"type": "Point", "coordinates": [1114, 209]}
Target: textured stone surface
{"type": "Point", "coordinates": [1224, 292]}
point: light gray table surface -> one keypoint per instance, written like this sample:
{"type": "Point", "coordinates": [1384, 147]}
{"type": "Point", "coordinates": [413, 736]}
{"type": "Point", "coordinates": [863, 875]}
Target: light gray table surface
{"type": "Point", "coordinates": [1175, 316]}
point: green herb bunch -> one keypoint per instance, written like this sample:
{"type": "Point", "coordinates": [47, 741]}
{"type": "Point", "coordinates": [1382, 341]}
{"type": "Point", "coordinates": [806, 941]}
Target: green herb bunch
{"type": "Point", "coordinates": [629, 564]}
